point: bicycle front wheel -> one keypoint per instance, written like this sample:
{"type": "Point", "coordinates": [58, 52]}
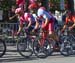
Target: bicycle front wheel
{"type": "Point", "coordinates": [2, 47]}
{"type": "Point", "coordinates": [41, 52]}
{"type": "Point", "coordinates": [25, 48]}
{"type": "Point", "coordinates": [66, 49]}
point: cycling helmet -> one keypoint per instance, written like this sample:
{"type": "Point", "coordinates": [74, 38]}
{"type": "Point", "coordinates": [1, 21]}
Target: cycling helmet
{"type": "Point", "coordinates": [33, 6]}
{"type": "Point", "coordinates": [18, 10]}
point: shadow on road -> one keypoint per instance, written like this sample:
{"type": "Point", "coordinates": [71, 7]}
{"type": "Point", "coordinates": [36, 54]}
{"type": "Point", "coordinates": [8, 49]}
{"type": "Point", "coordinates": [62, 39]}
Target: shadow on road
{"type": "Point", "coordinates": [16, 58]}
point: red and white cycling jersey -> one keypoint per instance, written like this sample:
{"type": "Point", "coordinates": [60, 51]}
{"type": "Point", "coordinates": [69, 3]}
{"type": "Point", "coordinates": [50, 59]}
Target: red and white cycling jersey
{"type": "Point", "coordinates": [43, 14]}
{"type": "Point", "coordinates": [26, 18]}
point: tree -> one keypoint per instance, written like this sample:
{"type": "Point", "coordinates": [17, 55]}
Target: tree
{"type": "Point", "coordinates": [5, 6]}
{"type": "Point", "coordinates": [71, 5]}
{"type": "Point", "coordinates": [45, 3]}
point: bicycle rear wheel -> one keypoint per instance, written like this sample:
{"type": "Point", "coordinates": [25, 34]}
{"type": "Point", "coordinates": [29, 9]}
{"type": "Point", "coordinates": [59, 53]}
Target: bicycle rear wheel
{"type": "Point", "coordinates": [41, 52]}
{"type": "Point", "coordinates": [66, 49]}
{"type": "Point", "coordinates": [25, 48]}
{"type": "Point", "coordinates": [2, 47]}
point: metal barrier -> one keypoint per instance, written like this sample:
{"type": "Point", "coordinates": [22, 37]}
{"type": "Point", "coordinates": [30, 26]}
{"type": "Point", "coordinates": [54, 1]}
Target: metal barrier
{"type": "Point", "coordinates": [8, 29]}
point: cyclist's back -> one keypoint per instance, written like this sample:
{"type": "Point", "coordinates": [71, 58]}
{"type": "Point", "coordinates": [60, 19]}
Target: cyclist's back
{"type": "Point", "coordinates": [26, 17]}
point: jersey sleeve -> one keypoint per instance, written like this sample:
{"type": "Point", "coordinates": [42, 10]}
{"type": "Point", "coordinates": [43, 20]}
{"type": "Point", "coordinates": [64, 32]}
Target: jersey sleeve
{"type": "Point", "coordinates": [35, 16]}
{"type": "Point", "coordinates": [29, 18]}
{"type": "Point", "coordinates": [47, 15]}
{"type": "Point", "coordinates": [40, 12]}
{"type": "Point", "coordinates": [21, 21]}
{"type": "Point", "coordinates": [44, 16]}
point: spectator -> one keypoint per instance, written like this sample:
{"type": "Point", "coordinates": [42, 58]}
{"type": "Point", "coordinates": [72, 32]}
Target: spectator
{"type": "Point", "coordinates": [12, 16]}
{"type": "Point", "coordinates": [58, 17]}
{"type": "Point", "coordinates": [13, 19]}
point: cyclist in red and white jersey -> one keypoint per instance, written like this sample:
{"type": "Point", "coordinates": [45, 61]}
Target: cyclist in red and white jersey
{"type": "Point", "coordinates": [47, 20]}
{"type": "Point", "coordinates": [26, 18]}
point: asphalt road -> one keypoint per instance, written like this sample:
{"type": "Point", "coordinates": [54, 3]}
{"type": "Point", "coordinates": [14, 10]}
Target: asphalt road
{"type": "Point", "coordinates": [14, 57]}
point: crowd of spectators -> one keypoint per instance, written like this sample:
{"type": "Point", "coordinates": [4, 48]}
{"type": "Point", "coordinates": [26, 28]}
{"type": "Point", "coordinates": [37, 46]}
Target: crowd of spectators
{"type": "Point", "coordinates": [10, 14]}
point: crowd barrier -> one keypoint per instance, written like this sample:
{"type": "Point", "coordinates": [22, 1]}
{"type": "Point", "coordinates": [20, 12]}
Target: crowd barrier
{"type": "Point", "coordinates": [7, 30]}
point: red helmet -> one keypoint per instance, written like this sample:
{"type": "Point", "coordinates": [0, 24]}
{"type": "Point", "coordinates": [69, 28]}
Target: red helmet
{"type": "Point", "coordinates": [19, 1]}
{"type": "Point", "coordinates": [33, 6]}
{"type": "Point", "coordinates": [18, 10]}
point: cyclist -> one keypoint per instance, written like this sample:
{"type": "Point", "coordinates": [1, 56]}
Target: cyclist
{"type": "Point", "coordinates": [33, 12]}
{"type": "Point", "coordinates": [47, 21]}
{"type": "Point", "coordinates": [70, 21]}
{"type": "Point", "coordinates": [48, 25]}
{"type": "Point", "coordinates": [25, 18]}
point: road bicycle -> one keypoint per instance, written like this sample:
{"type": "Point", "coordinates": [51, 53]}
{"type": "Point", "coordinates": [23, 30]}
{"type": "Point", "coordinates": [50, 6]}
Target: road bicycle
{"type": "Point", "coordinates": [42, 45]}
{"type": "Point", "coordinates": [25, 45]}
{"type": "Point", "coordinates": [66, 46]}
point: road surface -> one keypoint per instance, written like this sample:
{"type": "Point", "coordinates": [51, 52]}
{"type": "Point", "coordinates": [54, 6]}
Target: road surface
{"type": "Point", "coordinates": [14, 57]}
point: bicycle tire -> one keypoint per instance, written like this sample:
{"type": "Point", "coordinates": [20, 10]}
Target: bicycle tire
{"type": "Point", "coordinates": [4, 46]}
{"type": "Point", "coordinates": [24, 52]}
{"type": "Point", "coordinates": [65, 51]}
{"type": "Point", "coordinates": [36, 48]}
{"type": "Point", "coordinates": [52, 44]}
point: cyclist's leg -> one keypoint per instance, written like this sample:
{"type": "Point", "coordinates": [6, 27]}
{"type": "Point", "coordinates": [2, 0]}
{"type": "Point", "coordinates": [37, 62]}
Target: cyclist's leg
{"type": "Point", "coordinates": [44, 34]}
{"type": "Point", "coordinates": [52, 34]}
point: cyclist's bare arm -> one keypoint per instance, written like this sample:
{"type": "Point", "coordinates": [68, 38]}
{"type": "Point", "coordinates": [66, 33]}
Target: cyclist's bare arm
{"type": "Point", "coordinates": [36, 25]}
{"type": "Point", "coordinates": [74, 23]}
{"type": "Point", "coordinates": [64, 27]}
{"type": "Point", "coordinates": [46, 21]}
{"type": "Point", "coordinates": [29, 23]}
{"type": "Point", "coordinates": [20, 28]}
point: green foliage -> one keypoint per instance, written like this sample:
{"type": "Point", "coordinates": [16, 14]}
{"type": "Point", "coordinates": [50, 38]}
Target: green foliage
{"type": "Point", "coordinates": [56, 4]}
{"type": "Point", "coordinates": [6, 4]}
{"type": "Point", "coordinates": [55, 1]}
